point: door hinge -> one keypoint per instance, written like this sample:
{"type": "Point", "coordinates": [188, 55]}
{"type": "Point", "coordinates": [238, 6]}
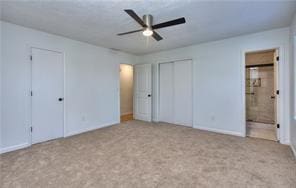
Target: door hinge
{"type": "Point", "coordinates": [278, 126]}
{"type": "Point", "coordinates": [278, 58]}
{"type": "Point", "coordinates": [31, 129]}
{"type": "Point", "coordinates": [277, 92]}
{"type": "Point", "coordinates": [31, 57]}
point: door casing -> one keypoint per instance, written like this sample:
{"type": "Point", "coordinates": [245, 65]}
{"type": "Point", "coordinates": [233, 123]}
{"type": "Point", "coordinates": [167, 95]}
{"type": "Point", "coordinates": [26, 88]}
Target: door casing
{"type": "Point", "coordinates": [279, 101]}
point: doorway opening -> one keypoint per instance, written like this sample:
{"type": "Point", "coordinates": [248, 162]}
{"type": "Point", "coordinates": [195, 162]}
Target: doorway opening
{"type": "Point", "coordinates": [126, 92]}
{"type": "Point", "coordinates": [261, 86]}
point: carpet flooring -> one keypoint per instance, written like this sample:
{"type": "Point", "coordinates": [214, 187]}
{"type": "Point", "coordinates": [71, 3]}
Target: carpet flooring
{"type": "Point", "coordinates": [140, 154]}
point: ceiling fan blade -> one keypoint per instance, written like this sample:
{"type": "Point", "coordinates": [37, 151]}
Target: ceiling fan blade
{"type": "Point", "coordinates": [135, 17]}
{"type": "Point", "coordinates": [156, 36]}
{"type": "Point", "coordinates": [169, 23]}
{"type": "Point", "coordinates": [130, 32]}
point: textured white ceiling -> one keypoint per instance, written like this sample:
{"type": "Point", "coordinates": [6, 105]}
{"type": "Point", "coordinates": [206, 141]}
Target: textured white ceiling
{"type": "Point", "coordinates": [98, 22]}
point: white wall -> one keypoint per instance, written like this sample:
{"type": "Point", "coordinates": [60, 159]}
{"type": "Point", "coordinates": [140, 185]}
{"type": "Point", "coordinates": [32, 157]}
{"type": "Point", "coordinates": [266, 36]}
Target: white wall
{"type": "Point", "coordinates": [91, 83]}
{"type": "Point", "coordinates": [292, 85]}
{"type": "Point", "coordinates": [0, 80]}
{"type": "Point", "coordinates": [218, 78]}
{"type": "Point", "coordinates": [126, 89]}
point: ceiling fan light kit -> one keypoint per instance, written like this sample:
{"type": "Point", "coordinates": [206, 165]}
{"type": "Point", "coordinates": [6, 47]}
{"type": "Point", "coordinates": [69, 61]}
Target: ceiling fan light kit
{"type": "Point", "coordinates": [147, 32]}
{"type": "Point", "coordinates": [148, 22]}
{"type": "Point", "coordinates": [148, 28]}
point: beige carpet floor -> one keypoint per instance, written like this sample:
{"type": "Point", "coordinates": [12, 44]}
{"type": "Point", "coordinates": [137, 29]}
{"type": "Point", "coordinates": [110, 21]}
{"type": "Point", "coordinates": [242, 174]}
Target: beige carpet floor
{"type": "Point", "coordinates": [139, 154]}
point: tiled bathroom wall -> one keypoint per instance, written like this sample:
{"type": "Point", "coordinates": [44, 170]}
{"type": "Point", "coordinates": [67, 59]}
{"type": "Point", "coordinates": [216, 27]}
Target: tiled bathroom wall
{"type": "Point", "coordinates": [260, 92]}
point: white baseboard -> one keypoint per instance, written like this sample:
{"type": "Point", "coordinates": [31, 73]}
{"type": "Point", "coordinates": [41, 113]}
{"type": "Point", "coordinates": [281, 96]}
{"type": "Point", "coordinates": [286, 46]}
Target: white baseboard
{"type": "Point", "coordinates": [218, 131]}
{"type": "Point", "coordinates": [13, 148]}
{"type": "Point", "coordinates": [90, 129]}
{"type": "Point", "coordinates": [25, 145]}
{"type": "Point", "coordinates": [285, 142]}
{"type": "Point", "coordinates": [294, 150]}
{"type": "Point", "coordinates": [155, 120]}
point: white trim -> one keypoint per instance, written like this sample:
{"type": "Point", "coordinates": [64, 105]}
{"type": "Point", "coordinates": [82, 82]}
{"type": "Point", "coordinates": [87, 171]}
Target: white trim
{"type": "Point", "coordinates": [285, 142]}
{"type": "Point", "coordinates": [293, 150]}
{"type": "Point", "coordinates": [281, 83]}
{"type": "Point", "coordinates": [157, 93]}
{"type": "Point", "coordinates": [65, 98]}
{"type": "Point", "coordinates": [155, 120]}
{"type": "Point", "coordinates": [219, 131]}
{"type": "Point", "coordinates": [91, 128]}
{"type": "Point", "coordinates": [25, 145]}
{"type": "Point", "coordinates": [14, 147]}
{"type": "Point", "coordinates": [118, 95]}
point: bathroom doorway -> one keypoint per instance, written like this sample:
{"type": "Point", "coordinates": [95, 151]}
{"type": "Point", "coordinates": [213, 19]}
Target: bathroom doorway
{"type": "Point", "coordinates": [126, 92]}
{"type": "Point", "coordinates": [261, 86]}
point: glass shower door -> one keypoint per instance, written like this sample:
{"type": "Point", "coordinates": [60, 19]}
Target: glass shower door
{"type": "Point", "coordinates": [260, 100]}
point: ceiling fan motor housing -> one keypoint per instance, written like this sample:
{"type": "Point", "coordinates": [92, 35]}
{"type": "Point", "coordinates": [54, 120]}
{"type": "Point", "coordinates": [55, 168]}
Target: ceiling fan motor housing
{"type": "Point", "coordinates": [148, 19]}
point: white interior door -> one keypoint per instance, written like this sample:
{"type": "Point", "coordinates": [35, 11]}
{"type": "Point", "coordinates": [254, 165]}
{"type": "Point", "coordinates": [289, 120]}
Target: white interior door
{"type": "Point", "coordinates": [47, 95]}
{"type": "Point", "coordinates": [142, 92]}
{"type": "Point", "coordinates": [166, 92]}
{"type": "Point", "coordinates": [183, 92]}
{"type": "Point", "coordinates": [175, 92]}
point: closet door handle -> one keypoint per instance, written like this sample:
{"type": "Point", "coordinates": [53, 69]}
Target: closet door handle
{"type": "Point", "coordinates": [272, 97]}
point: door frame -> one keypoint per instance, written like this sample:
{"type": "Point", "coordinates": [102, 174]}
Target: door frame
{"type": "Point", "coordinates": [157, 92]}
{"type": "Point", "coordinates": [31, 87]}
{"type": "Point", "coordinates": [280, 81]}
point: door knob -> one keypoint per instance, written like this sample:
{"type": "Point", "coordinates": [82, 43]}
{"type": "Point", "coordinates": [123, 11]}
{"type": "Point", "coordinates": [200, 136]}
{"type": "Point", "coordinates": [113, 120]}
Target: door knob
{"type": "Point", "coordinates": [149, 95]}
{"type": "Point", "coordinates": [61, 99]}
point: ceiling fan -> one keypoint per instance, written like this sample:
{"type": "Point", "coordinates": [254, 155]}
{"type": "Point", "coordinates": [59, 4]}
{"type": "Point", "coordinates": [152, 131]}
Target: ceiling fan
{"type": "Point", "coordinates": [147, 27]}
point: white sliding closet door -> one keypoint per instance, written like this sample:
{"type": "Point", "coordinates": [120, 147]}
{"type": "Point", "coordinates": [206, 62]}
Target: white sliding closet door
{"type": "Point", "coordinates": [175, 92]}
{"type": "Point", "coordinates": [183, 92]}
{"type": "Point", "coordinates": [166, 80]}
